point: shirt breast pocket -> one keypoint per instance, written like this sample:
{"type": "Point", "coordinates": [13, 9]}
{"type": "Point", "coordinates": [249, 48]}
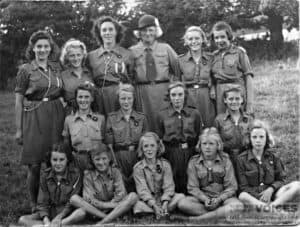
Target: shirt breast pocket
{"type": "Point", "coordinates": [203, 178]}
{"type": "Point", "coordinates": [269, 177]}
{"type": "Point", "coordinates": [231, 64]}
{"type": "Point", "coordinates": [162, 58]}
{"type": "Point", "coordinates": [119, 134]}
{"type": "Point", "coordinates": [76, 135]}
{"type": "Point", "coordinates": [170, 129]}
{"type": "Point", "coordinates": [218, 176]}
{"type": "Point", "coordinates": [189, 126]}
{"type": "Point", "coordinates": [66, 191]}
{"type": "Point", "coordinates": [227, 132]}
{"type": "Point", "coordinates": [35, 77]}
{"type": "Point", "coordinates": [137, 128]}
{"type": "Point", "coordinates": [252, 177]}
{"type": "Point", "coordinates": [94, 132]}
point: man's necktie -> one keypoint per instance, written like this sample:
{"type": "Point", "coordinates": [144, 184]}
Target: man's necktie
{"type": "Point", "coordinates": [150, 65]}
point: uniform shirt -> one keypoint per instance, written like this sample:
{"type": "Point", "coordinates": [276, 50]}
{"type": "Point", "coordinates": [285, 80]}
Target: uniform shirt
{"type": "Point", "coordinates": [217, 181]}
{"type": "Point", "coordinates": [85, 131]}
{"type": "Point", "coordinates": [179, 127]}
{"type": "Point", "coordinates": [71, 82]}
{"type": "Point", "coordinates": [234, 136]}
{"type": "Point", "coordinates": [112, 66]}
{"type": "Point", "coordinates": [165, 58]}
{"type": "Point", "coordinates": [33, 82]}
{"type": "Point", "coordinates": [54, 195]}
{"type": "Point", "coordinates": [155, 184]}
{"type": "Point", "coordinates": [103, 187]}
{"type": "Point", "coordinates": [196, 72]}
{"type": "Point", "coordinates": [119, 131]}
{"type": "Point", "coordinates": [256, 176]}
{"type": "Point", "coordinates": [232, 65]}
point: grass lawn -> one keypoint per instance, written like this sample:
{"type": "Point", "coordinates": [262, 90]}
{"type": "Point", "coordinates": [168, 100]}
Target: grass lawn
{"type": "Point", "coordinates": [276, 101]}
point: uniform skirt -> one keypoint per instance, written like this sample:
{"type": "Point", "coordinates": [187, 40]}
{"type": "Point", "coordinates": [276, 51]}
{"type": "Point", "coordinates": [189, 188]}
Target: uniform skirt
{"type": "Point", "coordinates": [42, 127]}
{"type": "Point", "coordinates": [150, 99]}
{"type": "Point", "coordinates": [126, 159]}
{"type": "Point", "coordinates": [179, 158]}
{"type": "Point", "coordinates": [200, 98]}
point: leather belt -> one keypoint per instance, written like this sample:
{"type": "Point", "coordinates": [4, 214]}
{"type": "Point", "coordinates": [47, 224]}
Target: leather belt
{"type": "Point", "coordinates": [152, 82]}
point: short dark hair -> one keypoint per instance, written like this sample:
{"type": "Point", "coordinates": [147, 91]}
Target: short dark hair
{"type": "Point", "coordinates": [96, 29]}
{"type": "Point", "coordinates": [41, 34]}
{"type": "Point", "coordinates": [234, 89]}
{"type": "Point", "coordinates": [90, 87]}
{"type": "Point", "coordinates": [222, 25]}
{"type": "Point", "coordinates": [59, 147]}
{"type": "Point", "coordinates": [174, 85]}
{"type": "Point", "coordinates": [258, 124]}
{"type": "Point", "coordinates": [99, 149]}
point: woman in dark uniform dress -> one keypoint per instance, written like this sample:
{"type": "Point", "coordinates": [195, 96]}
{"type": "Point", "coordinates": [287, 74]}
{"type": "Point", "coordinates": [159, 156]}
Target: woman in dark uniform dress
{"type": "Point", "coordinates": [73, 56]}
{"type": "Point", "coordinates": [110, 63]}
{"type": "Point", "coordinates": [123, 131]}
{"type": "Point", "coordinates": [156, 64]}
{"type": "Point", "coordinates": [195, 66]}
{"type": "Point", "coordinates": [179, 127]}
{"type": "Point", "coordinates": [39, 111]}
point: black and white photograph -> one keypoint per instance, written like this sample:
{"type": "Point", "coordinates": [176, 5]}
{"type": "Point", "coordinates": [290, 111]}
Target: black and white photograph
{"type": "Point", "coordinates": [149, 113]}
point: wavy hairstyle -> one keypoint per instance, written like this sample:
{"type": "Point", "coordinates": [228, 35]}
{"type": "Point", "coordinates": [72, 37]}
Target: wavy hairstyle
{"type": "Point", "coordinates": [160, 145]}
{"type": "Point", "coordinates": [41, 34]}
{"type": "Point", "coordinates": [96, 29]}
{"type": "Point", "coordinates": [99, 149]}
{"type": "Point", "coordinates": [197, 29]}
{"type": "Point", "coordinates": [90, 87]}
{"type": "Point", "coordinates": [61, 148]}
{"type": "Point", "coordinates": [72, 43]}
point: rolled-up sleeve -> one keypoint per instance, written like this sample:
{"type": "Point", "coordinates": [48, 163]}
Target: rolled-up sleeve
{"type": "Point", "coordinates": [174, 63]}
{"type": "Point", "coordinates": [66, 130]}
{"type": "Point", "coordinates": [119, 187]}
{"type": "Point", "coordinates": [168, 183]}
{"type": "Point", "coordinates": [230, 184]}
{"type": "Point", "coordinates": [141, 185]}
{"type": "Point", "coordinates": [193, 185]}
{"type": "Point", "coordinates": [245, 64]}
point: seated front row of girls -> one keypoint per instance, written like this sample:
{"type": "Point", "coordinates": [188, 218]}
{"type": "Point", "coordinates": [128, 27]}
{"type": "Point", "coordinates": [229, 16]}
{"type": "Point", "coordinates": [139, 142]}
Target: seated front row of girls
{"type": "Point", "coordinates": [212, 185]}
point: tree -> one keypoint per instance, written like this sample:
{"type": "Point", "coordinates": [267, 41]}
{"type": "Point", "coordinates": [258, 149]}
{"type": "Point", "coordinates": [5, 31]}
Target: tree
{"type": "Point", "coordinates": [18, 20]}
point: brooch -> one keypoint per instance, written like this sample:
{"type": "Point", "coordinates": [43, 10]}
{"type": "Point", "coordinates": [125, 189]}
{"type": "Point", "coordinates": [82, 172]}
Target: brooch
{"type": "Point", "coordinates": [158, 168]}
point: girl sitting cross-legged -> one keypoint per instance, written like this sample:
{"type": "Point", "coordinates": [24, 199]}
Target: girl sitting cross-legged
{"type": "Point", "coordinates": [153, 178]}
{"type": "Point", "coordinates": [104, 193]}
{"type": "Point", "coordinates": [211, 181]}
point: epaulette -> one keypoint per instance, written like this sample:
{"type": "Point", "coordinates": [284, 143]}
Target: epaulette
{"type": "Point", "coordinates": [196, 156]}
{"type": "Point", "coordinates": [47, 170]}
{"type": "Point", "coordinates": [215, 52]}
{"type": "Point", "coordinates": [137, 164]}
{"type": "Point", "coordinates": [181, 55]}
{"type": "Point", "coordinates": [112, 113]}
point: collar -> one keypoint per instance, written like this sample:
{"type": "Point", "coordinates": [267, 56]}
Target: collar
{"type": "Point", "coordinates": [116, 50]}
{"type": "Point", "coordinates": [188, 56]}
{"type": "Point", "coordinates": [201, 158]}
{"type": "Point", "coordinates": [251, 156]}
{"type": "Point", "coordinates": [84, 71]}
{"type": "Point", "coordinates": [172, 112]}
{"type": "Point", "coordinates": [84, 117]}
{"type": "Point", "coordinates": [120, 116]}
{"type": "Point", "coordinates": [227, 115]}
{"type": "Point", "coordinates": [158, 164]}
{"type": "Point", "coordinates": [140, 48]}
{"type": "Point", "coordinates": [35, 66]}
{"type": "Point", "coordinates": [52, 174]}
{"type": "Point", "coordinates": [97, 174]}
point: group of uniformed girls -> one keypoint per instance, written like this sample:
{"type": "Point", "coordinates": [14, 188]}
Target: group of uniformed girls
{"type": "Point", "coordinates": [139, 121]}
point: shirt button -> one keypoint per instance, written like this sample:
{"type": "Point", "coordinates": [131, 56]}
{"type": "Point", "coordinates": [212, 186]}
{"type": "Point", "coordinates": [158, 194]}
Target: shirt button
{"type": "Point", "coordinates": [261, 184]}
{"type": "Point", "coordinates": [179, 116]}
{"type": "Point", "coordinates": [260, 162]}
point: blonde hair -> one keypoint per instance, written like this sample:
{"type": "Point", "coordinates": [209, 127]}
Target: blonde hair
{"type": "Point", "coordinates": [212, 133]}
{"type": "Point", "coordinates": [160, 145]}
{"type": "Point", "coordinates": [197, 29]}
{"type": "Point", "coordinates": [72, 43]}
{"type": "Point", "coordinates": [259, 124]}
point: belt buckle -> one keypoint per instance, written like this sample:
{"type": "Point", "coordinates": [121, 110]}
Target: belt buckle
{"type": "Point", "coordinates": [152, 82]}
{"type": "Point", "coordinates": [45, 99]}
{"type": "Point", "coordinates": [184, 145]}
{"type": "Point", "coordinates": [196, 86]}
